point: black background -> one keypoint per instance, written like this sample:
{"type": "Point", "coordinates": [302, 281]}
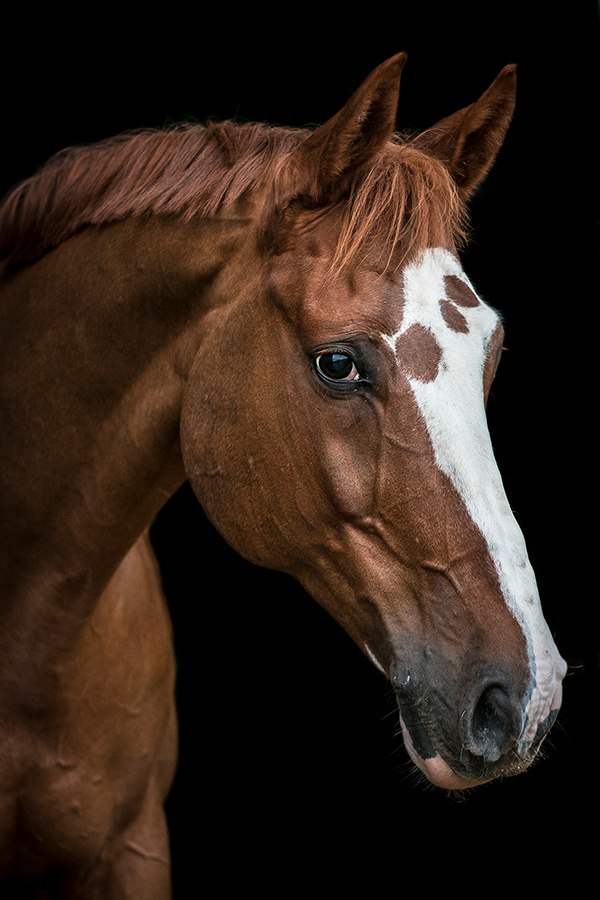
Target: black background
{"type": "Point", "coordinates": [291, 769]}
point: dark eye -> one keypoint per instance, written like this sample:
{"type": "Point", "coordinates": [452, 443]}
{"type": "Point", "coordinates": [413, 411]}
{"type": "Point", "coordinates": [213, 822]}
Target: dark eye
{"type": "Point", "coordinates": [336, 366]}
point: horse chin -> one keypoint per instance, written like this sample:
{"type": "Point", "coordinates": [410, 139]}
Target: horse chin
{"type": "Point", "coordinates": [437, 770]}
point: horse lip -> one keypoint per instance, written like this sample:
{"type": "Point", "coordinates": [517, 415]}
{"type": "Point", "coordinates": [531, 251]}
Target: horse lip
{"type": "Point", "coordinates": [436, 769]}
{"type": "Point", "coordinates": [423, 752]}
{"type": "Point", "coordinates": [414, 727]}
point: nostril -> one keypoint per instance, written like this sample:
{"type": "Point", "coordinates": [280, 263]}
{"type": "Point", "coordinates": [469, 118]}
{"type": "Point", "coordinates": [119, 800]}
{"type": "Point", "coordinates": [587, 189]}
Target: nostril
{"type": "Point", "coordinates": [494, 724]}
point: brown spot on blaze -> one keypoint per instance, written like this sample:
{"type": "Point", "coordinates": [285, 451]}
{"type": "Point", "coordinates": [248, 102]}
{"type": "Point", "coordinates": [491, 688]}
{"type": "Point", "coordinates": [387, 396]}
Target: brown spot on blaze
{"type": "Point", "coordinates": [453, 318]}
{"type": "Point", "coordinates": [456, 290]}
{"type": "Point", "coordinates": [419, 353]}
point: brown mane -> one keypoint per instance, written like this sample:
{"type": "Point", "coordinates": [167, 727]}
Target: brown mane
{"type": "Point", "coordinates": [406, 198]}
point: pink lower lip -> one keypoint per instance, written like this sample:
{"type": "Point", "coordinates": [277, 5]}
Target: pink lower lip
{"type": "Point", "coordinates": [436, 769]}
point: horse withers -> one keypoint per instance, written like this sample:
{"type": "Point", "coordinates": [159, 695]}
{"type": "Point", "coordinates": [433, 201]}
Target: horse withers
{"type": "Point", "coordinates": [281, 317]}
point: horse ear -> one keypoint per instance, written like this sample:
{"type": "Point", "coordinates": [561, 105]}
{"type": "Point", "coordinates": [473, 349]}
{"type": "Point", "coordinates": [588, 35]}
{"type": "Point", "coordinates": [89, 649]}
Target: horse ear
{"type": "Point", "coordinates": [335, 151]}
{"type": "Point", "coordinates": [468, 141]}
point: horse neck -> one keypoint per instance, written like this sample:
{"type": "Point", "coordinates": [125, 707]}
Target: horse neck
{"type": "Point", "coordinates": [96, 340]}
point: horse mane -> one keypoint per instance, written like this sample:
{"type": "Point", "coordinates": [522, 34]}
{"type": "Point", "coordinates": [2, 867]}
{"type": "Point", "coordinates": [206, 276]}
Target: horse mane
{"type": "Point", "coordinates": [406, 198]}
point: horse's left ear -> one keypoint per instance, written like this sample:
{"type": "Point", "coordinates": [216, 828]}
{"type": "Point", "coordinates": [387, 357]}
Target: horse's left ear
{"type": "Point", "coordinates": [468, 141]}
{"type": "Point", "coordinates": [324, 163]}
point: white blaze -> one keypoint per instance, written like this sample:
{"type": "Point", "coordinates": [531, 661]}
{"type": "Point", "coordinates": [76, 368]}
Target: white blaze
{"type": "Point", "coordinates": [452, 407]}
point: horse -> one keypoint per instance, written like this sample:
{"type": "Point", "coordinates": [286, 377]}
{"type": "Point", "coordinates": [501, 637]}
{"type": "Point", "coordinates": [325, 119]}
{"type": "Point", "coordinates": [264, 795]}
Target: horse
{"type": "Point", "coordinates": [280, 317]}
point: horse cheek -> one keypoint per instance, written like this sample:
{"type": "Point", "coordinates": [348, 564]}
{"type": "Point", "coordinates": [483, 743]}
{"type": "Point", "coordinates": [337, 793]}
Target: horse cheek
{"type": "Point", "coordinates": [350, 468]}
{"type": "Point", "coordinates": [229, 440]}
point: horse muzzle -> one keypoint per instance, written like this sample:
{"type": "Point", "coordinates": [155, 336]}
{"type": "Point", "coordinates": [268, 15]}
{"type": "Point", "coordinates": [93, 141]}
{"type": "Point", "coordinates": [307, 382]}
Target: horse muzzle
{"type": "Point", "coordinates": [477, 735]}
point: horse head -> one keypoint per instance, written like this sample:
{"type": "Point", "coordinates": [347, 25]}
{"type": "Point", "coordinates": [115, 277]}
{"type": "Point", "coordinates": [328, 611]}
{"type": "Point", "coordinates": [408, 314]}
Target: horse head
{"type": "Point", "coordinates": [334, 425]}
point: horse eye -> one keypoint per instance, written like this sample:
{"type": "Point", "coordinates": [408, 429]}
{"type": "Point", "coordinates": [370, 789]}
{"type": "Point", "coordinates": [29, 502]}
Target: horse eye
{"type": "Point", "coordinates": [335, 365]}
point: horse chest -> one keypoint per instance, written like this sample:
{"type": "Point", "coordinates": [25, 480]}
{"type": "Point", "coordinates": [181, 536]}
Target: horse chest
{"type": "Point", "coordinates": [75, 771]}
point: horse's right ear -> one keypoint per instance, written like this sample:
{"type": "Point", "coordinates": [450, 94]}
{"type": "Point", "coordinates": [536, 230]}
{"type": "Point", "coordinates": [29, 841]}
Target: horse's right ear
{"type": "Point", "coordinates": [321, 167]}
{"type": "Point", "coordinates": [468, 141]}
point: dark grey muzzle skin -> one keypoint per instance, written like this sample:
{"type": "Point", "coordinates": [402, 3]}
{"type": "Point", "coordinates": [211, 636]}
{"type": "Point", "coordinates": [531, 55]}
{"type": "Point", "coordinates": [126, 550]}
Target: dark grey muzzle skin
{"type": "Point", "coordinates": [475, 723]}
